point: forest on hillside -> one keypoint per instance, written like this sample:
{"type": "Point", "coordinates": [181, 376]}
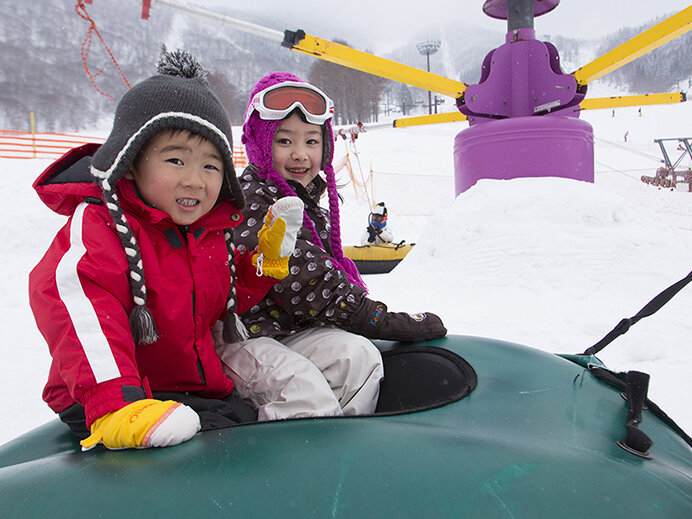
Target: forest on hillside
{"type": "Point", "coordinates": [48, 53]}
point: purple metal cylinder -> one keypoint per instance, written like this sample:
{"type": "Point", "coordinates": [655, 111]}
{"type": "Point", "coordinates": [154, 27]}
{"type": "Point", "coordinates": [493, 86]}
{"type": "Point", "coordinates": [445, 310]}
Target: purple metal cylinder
{"type": "Point", "coordinates": [545, 146]}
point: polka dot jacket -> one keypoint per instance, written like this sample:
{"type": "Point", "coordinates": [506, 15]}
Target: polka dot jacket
{"type": "Point", "coordinates": [314, 293]}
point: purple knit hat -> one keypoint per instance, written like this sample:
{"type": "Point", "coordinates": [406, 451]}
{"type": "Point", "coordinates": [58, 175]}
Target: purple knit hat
{"type": "Point", "coordinates": [258, 136]}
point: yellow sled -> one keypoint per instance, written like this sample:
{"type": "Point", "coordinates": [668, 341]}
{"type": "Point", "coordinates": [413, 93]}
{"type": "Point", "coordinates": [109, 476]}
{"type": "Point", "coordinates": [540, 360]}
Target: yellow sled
{"type": "Point", "coordinates": [377, 259]}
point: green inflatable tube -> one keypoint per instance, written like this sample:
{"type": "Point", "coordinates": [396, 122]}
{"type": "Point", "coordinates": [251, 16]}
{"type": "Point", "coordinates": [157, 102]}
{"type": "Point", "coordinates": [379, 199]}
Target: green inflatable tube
{"type": "Point", "coordinates": [485, 429]}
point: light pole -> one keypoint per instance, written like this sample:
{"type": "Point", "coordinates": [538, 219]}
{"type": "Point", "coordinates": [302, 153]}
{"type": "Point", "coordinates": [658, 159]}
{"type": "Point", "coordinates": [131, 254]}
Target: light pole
{"type": "Point", "coordinates": [427, 48]}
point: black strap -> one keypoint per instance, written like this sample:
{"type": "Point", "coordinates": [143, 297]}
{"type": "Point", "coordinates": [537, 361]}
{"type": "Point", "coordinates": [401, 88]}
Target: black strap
{"type": "Point", "coordinates": [651, 307]}
{"type": "Point", "coordinates": [618, 380]}
{"type": "Point", "coordinates": [636, 442]}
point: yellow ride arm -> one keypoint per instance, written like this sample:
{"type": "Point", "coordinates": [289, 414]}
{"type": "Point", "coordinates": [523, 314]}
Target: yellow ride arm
{"type": "Point", "coordinates": [365, 62]}
{"type": "Point", "coordinates": [640, 100]}
{"type": "Point", "coordinates": [447, 117]}
{"type": "Point", "coordinates": [650, 39]}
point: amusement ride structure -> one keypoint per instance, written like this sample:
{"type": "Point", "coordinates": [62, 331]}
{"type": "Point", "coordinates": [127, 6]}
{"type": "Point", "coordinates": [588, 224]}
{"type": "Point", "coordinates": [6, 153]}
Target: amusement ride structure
{"type": "Point", "coordinates": [523, 114]}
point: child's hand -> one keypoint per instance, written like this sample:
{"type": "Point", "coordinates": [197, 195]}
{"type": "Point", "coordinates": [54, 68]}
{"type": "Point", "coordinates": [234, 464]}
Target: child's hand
{"type": "Point", "coordinates": [372, 320]}
{"type": "Point", "coordinates": [144, 423]}
{"type": "Point", "coordinates": [277, 237]}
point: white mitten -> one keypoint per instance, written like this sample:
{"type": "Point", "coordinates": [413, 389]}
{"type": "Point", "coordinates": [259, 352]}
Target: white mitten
{"type": "Point", "coordinates": [277, 237]}
{"type": "Point", "coordinates": [144, 423]}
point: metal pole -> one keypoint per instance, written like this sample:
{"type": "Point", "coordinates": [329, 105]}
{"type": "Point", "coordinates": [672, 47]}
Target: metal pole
{"type": "Point", "coordinates": [664, 152]}
{"type": "Point", "coordinates": [32, 122]}
{"type": "Point", "coordinates": [429, 94]}
{"type": "Point", "coordinates": [241, 25]}
{"type": "Point", "coordinates": [519, 14]}
{"type": "Point", "coordinates": [429, 47]}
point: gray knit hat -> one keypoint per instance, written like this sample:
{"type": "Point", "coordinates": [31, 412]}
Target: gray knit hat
{"type": "Point", "coordinates": [178, 97]}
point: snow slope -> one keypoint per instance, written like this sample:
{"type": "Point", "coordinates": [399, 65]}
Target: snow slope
{"type": "Point", "coordinates": [549, 263]}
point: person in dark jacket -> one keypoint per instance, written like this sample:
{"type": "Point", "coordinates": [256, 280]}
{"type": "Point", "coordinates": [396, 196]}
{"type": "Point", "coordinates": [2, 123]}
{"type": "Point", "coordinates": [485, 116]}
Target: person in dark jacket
{"type": "Point", "coordinates": [309, 353]}
{"type": "Point", "coordinates": [130, 289]}
{"type": "Point", "coordinates": [376, 233]}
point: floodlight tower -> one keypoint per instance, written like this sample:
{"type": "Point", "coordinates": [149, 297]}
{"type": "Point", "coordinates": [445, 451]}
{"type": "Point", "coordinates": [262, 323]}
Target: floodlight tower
{"type": "Point", "coordinates": [524, 113]}
{"type": "Point", "coordinates": [427, 48]}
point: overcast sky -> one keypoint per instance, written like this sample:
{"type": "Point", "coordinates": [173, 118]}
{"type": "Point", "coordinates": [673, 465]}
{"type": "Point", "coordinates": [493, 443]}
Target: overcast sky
{"type": "Point", "coordinates": [388, 23]}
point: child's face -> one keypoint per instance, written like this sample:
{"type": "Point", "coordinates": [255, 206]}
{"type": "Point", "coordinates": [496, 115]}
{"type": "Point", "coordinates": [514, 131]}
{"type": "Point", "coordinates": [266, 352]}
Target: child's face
{"type": "Point", "coordinates": [180, 174]}
{"type": "Point", "coordinates": [297, 150]}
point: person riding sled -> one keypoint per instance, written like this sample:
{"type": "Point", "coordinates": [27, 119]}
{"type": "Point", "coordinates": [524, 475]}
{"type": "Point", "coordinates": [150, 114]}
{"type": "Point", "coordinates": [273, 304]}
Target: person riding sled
{"type": "Point", "coordinates": [131, 287]}
{"type": "Point", "coordinates": [309, 353]}
{"type": "Point", "coordinates": [376, 233]}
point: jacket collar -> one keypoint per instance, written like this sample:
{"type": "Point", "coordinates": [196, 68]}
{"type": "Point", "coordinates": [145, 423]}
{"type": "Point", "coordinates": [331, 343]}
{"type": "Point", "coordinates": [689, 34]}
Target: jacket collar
{"type": "Point", "coordinates": [315, 189]}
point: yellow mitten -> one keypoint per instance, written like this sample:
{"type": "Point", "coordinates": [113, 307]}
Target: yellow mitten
{"type": "Point", "coordinates": [144, 423]}
{"type": "Point", "coordinates": [277, 237]}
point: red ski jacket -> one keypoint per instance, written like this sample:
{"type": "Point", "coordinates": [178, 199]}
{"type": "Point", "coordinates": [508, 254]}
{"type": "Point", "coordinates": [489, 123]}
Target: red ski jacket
{"type": "Point", "coordinates": [81, 298]}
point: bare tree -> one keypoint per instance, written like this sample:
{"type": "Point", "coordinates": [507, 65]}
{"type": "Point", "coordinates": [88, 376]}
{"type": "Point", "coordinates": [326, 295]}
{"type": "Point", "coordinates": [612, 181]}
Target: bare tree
{"type": "Point", "coordinates": [228, 94]}
{"type": "Point", "coordinates": [405, 97]}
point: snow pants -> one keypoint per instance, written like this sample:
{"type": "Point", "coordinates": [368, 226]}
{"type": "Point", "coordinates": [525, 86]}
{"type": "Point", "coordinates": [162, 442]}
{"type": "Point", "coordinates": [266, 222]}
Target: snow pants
{"type": "Point", "coordinates": [316, 372]}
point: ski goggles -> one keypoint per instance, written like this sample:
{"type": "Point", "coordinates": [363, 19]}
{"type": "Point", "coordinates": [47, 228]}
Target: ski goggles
{"type": "Point", "coordinates": [277, 101]}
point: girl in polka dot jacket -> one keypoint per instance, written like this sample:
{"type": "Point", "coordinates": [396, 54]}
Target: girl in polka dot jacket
{"type": "Point", "coordinates": [309, 353]}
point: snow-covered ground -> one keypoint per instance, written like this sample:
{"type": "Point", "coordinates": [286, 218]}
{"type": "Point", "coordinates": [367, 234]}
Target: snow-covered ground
{"type": "Point", "coordinates": [549, 263]}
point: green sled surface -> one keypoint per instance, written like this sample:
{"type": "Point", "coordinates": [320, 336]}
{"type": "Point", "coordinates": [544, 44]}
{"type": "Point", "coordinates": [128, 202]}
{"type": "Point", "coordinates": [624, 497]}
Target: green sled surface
{"type": "Point", "coordinates": [536, 438]}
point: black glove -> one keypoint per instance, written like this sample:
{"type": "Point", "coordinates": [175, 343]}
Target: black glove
{"type": "Point", "coordinates": [372, 320]}
{"type": "Point", "coordinates": [372, 234]}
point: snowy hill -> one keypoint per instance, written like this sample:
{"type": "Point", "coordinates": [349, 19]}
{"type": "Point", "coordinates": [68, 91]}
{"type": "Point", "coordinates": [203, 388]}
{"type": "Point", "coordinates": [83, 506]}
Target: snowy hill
{"type": "Point", "coordinates": [548, 263]}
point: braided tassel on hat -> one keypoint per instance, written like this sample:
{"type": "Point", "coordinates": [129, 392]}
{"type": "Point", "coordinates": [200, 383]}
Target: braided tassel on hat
{"type": "Point", "coordinates": [233, 328]}
{"type": "Point", "coordinates": [141, 320]}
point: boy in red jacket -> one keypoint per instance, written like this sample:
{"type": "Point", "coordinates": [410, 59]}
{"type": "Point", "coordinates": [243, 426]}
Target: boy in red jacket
{"type": "Point", "coordinates": [130, 289]}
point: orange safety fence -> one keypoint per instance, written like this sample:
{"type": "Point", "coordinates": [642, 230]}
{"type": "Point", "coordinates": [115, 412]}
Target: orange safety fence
{"type": "Point", "coordinates": [239, 159]}
{"type": "Point", "coordinates": [26, 145]}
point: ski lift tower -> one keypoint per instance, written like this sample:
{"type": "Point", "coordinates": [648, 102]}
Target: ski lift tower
{"type": "Point", "coordinates": [524, 113]}
{"type": "Point", "coordinates": [427, 48]}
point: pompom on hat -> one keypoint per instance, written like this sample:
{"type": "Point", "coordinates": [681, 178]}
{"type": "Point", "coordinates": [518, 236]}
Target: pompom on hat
{"type": "Point", "coordinates": [177, 98]}
{"type": "Point", "coordinates": [258, 136]}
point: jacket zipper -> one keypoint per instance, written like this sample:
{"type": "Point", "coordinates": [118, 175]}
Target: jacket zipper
{"type": "Point", "coordinates": [184, 231]}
